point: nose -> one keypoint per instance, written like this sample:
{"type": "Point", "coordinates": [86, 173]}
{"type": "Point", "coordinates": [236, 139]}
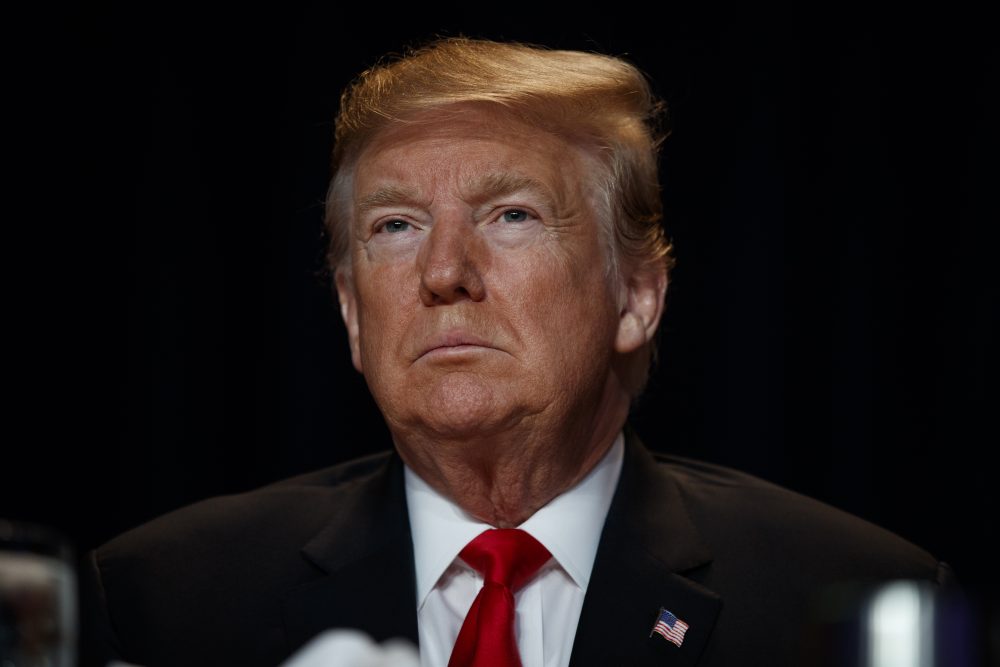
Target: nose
{"type": "Point", "coordinates": [450, 263]}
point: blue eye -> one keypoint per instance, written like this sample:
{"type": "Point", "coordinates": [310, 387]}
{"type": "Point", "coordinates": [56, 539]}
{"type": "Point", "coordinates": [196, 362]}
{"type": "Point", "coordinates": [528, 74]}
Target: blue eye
{"type": "Point", "coordinates": [395, 226]}
{"type": "Point", "coordinates": [515, 215]}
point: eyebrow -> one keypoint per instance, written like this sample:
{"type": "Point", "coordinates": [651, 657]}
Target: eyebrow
{"type": "Point", "coordinates": [490, 186]}
{"type": "Point", "coordinates": [388, 195]}
{"type": "Point", "coordinates": [481, 188]}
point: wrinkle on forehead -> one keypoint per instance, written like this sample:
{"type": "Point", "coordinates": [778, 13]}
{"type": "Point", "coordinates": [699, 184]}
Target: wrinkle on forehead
{"type": "Point", "coordinates": [478, 122]}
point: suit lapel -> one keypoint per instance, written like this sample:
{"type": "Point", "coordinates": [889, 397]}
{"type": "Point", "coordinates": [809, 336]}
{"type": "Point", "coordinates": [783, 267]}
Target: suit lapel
{"type": "Point", "coordinates": [647, 546]}
{"type": "Point", "coordinates": [365, 556]}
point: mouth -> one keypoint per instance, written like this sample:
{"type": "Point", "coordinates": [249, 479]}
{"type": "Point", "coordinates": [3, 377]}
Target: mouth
{"type": "Point", "coordinates": [454, 343]}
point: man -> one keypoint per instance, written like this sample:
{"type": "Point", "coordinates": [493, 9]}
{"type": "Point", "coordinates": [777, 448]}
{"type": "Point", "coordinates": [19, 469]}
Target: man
{"type": "Point", "coordinates": [496, 244]}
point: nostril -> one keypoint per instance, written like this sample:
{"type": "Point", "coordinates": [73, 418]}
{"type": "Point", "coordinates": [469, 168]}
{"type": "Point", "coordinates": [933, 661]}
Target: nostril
{"type": "Point", "coordinates": [449, 295]}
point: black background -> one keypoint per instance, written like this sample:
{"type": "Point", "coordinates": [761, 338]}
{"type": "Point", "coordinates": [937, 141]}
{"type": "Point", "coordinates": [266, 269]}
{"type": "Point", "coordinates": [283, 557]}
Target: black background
{"type": "Point", "coordinates": [830, 185]}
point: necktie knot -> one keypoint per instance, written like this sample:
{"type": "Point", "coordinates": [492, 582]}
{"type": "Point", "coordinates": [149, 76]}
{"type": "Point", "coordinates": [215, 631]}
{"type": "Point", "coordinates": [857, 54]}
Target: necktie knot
{"type": "Point", "coordinates": [506, 556]}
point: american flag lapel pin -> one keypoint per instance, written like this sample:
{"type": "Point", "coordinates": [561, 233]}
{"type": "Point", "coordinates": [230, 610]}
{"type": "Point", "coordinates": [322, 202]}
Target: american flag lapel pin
{"type": "Point", "coordinates": [669, 627]}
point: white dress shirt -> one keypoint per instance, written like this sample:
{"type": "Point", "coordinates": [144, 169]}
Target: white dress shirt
{"type": "Point", "coordinates": [548, 607]}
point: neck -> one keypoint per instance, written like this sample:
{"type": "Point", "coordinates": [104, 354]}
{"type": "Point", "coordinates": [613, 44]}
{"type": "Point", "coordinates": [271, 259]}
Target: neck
{"type": "Point", "coordinates": [503, 478]}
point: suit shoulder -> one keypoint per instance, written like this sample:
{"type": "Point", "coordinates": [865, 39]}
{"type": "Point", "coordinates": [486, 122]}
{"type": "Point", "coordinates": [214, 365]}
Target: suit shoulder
{"type": "Point", "coordinates": [739, 512]}
{"type": "Point", "coordinates": [232, 559]}
{"type": "Point", "coordinates": [287, 509]}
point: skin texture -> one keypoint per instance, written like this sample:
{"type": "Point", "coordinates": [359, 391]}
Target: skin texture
{"type": "Point", "coordinates": [480, 310]}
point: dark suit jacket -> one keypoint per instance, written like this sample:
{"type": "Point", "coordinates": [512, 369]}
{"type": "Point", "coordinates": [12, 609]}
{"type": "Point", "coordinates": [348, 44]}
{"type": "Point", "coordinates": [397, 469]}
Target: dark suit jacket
{"type": "Point", "coordinates": [247, 579]}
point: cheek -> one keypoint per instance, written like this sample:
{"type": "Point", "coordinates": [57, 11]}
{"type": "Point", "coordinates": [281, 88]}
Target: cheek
{"type": "Point", "coordinates": [565, 304]}
{"type": "Point", "coordinates": [382, 297]}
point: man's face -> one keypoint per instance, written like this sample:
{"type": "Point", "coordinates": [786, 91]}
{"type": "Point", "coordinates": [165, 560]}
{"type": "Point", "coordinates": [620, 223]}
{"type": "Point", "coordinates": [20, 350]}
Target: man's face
{"type": "Point", "coordinates": [478, 294]}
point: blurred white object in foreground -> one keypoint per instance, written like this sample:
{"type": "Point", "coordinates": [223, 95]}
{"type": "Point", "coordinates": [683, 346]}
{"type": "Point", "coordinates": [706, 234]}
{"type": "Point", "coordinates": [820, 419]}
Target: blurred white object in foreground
{"type": "Point", "coordinates": [901, 626]}
{"type": "Point", "coordinates": [353, 648]}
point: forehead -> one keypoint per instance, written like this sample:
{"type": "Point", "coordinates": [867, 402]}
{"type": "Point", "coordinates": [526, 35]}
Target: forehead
{"type": "Point", "coordinates": [473, 152]}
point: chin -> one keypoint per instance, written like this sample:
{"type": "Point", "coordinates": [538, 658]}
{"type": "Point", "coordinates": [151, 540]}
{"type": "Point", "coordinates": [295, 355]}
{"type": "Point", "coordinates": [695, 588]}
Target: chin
{"type": "Point", "coordinates": [465, 405]}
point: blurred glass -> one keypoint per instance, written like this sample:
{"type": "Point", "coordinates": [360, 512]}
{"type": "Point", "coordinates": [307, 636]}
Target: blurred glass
{"type": "Point", "coordinates": [38, 617]}
{"type": "Point", "coordinates": [895, 624]}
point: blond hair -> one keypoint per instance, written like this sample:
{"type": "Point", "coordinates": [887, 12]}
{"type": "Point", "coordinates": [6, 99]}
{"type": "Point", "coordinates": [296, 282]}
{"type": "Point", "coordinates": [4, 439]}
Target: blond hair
{"type": "Point", "coordinates": [601, 101]}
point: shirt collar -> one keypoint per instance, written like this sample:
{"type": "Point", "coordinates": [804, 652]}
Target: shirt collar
{"type": "Point", "coordinates": [569, 526]}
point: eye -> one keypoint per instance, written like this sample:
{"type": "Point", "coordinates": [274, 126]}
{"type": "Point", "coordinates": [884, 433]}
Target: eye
{"type": "Point", "coordinates": [395, 226]}
{"type": "Point", "coordinates": [514, 215]}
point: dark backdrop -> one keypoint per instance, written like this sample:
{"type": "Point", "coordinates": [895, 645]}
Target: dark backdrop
{"type": "Point", "coordinates": [831, 323]}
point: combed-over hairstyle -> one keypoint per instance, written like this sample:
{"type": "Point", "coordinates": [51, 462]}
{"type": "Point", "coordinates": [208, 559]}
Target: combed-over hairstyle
{"type": "Point", "coordinates": [600, 101]}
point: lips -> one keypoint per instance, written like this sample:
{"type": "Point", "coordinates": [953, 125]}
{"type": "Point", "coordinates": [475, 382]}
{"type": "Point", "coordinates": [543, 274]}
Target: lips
{"type": "Point", "coordinates": [456, 341]}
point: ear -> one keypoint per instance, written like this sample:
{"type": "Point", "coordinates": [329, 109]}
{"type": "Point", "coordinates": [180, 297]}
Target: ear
{"type": "Point", "coordinates": [349, 312]}
{"type": "Point", "coordinates": [642, 306]}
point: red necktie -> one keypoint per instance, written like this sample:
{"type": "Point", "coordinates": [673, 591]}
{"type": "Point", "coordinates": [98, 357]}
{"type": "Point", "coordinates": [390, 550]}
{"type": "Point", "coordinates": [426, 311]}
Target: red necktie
{"type": "Point", "coordinates": [507, 558]}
